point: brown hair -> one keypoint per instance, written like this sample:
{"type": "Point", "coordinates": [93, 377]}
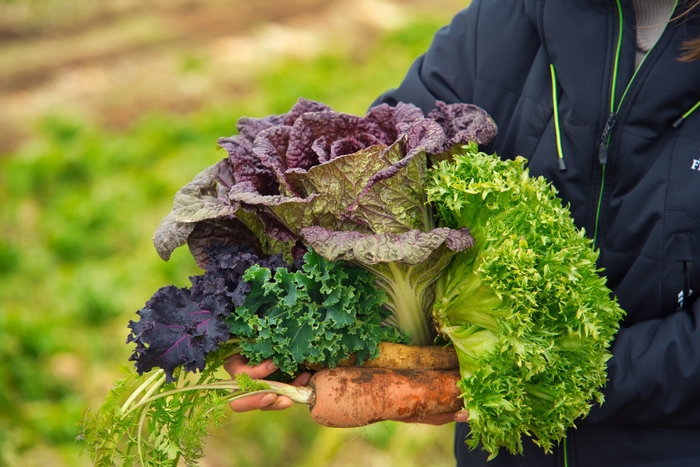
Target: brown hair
{"type": "Point", "coordinates": [690, 47]}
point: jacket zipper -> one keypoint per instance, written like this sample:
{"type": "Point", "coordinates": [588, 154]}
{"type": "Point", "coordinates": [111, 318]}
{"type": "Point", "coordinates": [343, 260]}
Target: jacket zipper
{"type": "Point", "coordinates": [604, 146]}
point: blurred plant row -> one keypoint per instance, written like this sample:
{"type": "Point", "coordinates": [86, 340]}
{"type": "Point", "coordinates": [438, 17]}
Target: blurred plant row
{"type": "Point", "coordinates": [79, 206]}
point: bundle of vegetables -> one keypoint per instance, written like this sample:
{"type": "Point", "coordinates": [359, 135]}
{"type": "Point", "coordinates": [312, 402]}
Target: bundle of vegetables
{"type": "Point", "coordinates": [525, 309]}
{"type": "Point", "coordinates": [324, 236]}
{"type": "Point", "coordinates": [314, 311]}
{"type": "Point", "coordinates": [352, 187]}
{"type": "Point", "coordinates": [348, 191]}
{"type": "Point", "coordinates": [311, 312]}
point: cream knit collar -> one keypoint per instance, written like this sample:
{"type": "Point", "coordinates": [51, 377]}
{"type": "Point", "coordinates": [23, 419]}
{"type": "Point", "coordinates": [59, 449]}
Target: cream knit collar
{"type": "Point", "coordinates": [652, 17]}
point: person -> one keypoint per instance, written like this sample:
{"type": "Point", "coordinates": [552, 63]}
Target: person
{"type": "Point", "coordinates": [603, 99]}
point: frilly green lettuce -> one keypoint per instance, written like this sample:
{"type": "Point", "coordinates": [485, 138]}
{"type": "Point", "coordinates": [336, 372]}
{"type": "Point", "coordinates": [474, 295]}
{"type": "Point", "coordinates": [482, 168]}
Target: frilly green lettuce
{"type": "Point", "coordinates": [529, 315]}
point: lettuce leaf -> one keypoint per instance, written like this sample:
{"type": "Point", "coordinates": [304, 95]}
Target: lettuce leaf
{"type": "Point", "coordinates": [525, 308]}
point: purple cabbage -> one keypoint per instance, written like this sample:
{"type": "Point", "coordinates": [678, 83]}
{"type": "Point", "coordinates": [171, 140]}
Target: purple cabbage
{"type": "Point", "coordinates": [270, 162]}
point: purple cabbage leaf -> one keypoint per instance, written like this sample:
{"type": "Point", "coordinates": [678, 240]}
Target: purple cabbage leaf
{"type": "Point", "coordinates": [317, 168]}
{"type": "Point", "coordinates": [203, 214]}
{"type": "Point", "coordinates": [271, 157]}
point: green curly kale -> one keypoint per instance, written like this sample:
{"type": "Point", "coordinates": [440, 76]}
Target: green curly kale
{"type": "Point", "coordinates": [322, 313]}
{"type": "Point", "coordinates": [529, 315]}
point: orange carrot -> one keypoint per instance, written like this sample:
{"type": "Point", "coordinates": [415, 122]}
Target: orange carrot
{"type": "Point", "coordinates": [407, 357]}
{"type": "Point", "coordinates": [352, 396]}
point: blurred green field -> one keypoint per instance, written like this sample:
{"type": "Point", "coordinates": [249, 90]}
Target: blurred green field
{"type": "Point", "coordinates": [85, 181]}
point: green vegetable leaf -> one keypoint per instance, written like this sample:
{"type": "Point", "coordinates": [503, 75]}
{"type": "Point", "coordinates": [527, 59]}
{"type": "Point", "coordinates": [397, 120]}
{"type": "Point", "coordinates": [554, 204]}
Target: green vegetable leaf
{"type": "Point", "coordinates": [529, 315]}
{"type": "Point", "coordinates": [146, 422]}
{"type": "Point", "coordinates": [405, 266]}
{"type": "Point", "coordinates": [320, 314]}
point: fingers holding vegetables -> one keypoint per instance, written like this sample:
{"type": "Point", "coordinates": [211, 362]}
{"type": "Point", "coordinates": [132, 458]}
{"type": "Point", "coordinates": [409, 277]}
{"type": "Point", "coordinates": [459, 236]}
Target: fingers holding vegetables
{"type": "Point", "coordinates": [347, 397]}
{"type": "Point", "coordinates": [352, 396]}
{"type": "Point", "coordinates": [238, 364]}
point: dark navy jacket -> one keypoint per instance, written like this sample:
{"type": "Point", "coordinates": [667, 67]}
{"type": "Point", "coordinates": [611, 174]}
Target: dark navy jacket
{"type": "Point", "coordinates": [642, 204]}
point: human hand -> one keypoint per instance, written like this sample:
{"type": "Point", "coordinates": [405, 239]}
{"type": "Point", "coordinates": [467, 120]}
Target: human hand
{"type": "Point", "coordinates": [238, 364]}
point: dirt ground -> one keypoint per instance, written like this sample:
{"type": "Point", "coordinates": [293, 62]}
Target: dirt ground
{"type": "Point", "coordinates": [110, 62]}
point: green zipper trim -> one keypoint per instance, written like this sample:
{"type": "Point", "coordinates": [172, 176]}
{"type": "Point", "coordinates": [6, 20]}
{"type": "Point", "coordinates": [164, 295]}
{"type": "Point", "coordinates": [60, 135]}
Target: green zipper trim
{"type": "Point", "coordinates": [555, 106]}
{"type": "Point", "coordinates": [642, 62]}
{"type": "Point", "coordinates": [613, 90]}
{"type": "Point", "coordinates": [630, 83]}
{"type": "Point", "coordinates": [617, 58]}
{"type": "Point", "coordinates": [600, 204]}
{"type": "Point", "coordinates": [615, 110]}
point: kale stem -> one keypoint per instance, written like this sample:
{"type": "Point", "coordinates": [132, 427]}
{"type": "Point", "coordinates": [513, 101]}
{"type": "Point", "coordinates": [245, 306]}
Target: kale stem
{"type": "Point", "coordinates": [181, 378]}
